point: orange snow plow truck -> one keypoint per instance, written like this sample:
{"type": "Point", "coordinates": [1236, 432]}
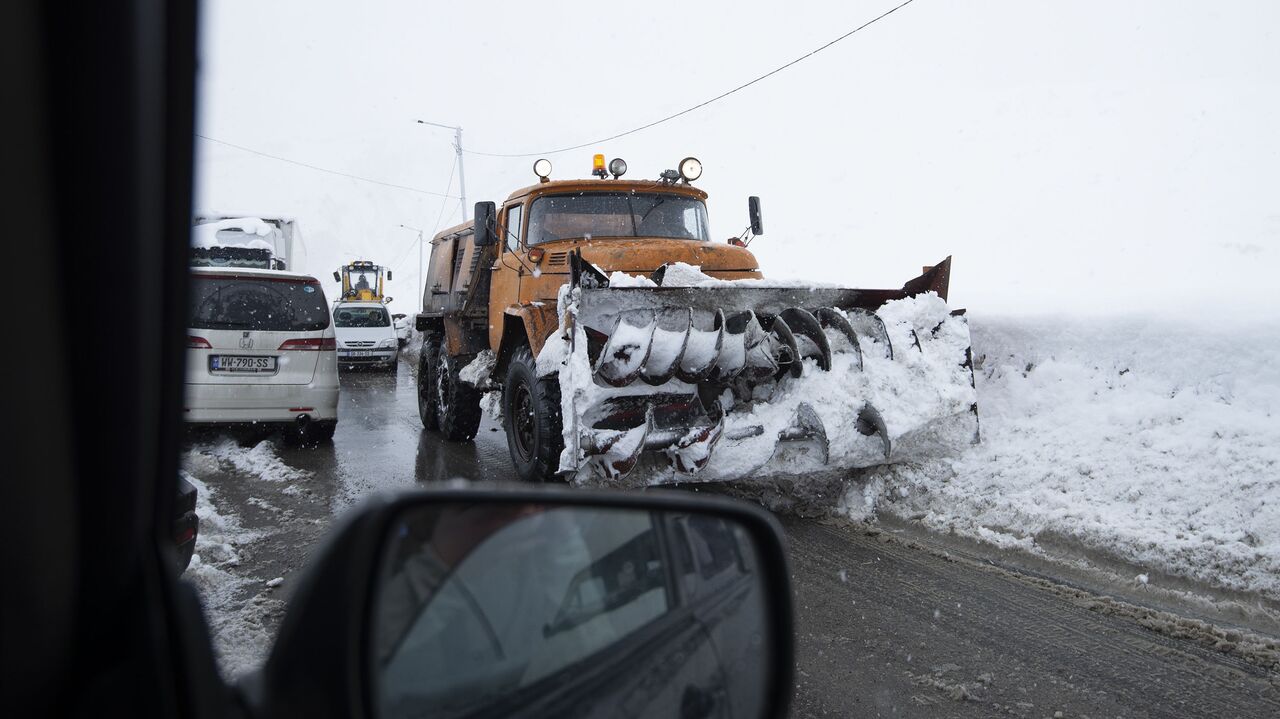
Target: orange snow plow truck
{"type": "Point", "coordinates": [621, 346]}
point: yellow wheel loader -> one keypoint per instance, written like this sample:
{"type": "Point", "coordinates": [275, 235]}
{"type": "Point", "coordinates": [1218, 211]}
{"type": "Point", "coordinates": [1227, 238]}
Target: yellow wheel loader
{"type": "Point", "coordinates": [625, 347]}
{"type": "Point", "coordinates": [363, 281]}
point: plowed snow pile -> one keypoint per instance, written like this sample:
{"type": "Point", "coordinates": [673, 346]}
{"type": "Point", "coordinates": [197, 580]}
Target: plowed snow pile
{"type": "Point", "coordinates": [1157, 443]}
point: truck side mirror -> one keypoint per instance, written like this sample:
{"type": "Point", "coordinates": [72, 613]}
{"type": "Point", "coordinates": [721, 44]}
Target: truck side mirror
{"type": "Point", "coordinates": [388, 275]}
{"type": "Point", "coordinates": [753, 211]}
{"type": "Point", "coordinates": [336, 276]}
{"type": "Point", "coordinates": [486, 229]}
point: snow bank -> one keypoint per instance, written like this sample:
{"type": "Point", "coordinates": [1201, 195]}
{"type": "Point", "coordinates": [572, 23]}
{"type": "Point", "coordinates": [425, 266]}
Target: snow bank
{"type": "Point", "coordinates": [239, 636]}
{"type": "Point", "coordinates": [238, 611]}
{"type": "Point", "coordinates": [1155, 443]}
{"type": "Point", "coordinates": [259, 461]}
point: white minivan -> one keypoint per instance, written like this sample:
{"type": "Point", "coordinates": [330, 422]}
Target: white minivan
{"type": "Point", "coordinates": [365, 335]}
{"type": "Point", "coordinates": [261, 350]}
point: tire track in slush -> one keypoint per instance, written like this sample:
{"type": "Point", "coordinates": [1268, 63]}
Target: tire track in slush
{"type": "Point", "coordinates": [933, 637]}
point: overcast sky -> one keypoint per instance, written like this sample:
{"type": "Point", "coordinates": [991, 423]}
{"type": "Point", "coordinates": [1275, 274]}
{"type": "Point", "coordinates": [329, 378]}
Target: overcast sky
{"type": "Point", "coordinates": [1074, 157]}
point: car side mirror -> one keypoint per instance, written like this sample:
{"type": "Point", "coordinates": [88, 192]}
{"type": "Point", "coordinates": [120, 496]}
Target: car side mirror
{"type": "Point", "coordinates": [337, 276]}
{"type": "Point", "coordinates": [485, 227]}
{"type": "Point", "coordinates": [388, 275]}
{"type": "Point", "coordinates": [753, 211]}
{"type": "Point", "coordinates": [539, 602]}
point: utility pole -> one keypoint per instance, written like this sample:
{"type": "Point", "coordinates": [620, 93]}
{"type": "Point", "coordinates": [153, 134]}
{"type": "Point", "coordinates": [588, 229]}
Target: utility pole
{"type": "Point", "coordinates": [421, 279]}
{"type": "Point", "coordinates": [462, 175]}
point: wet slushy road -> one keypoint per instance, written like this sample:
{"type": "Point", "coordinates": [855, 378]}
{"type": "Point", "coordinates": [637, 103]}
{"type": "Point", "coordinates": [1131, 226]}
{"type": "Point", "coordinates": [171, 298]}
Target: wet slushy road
{"type": "Point", "coordinates": [884, 627]}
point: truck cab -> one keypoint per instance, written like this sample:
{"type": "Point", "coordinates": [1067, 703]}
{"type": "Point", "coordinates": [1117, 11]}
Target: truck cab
{"type": "Point", "coordinates": [631, 226]}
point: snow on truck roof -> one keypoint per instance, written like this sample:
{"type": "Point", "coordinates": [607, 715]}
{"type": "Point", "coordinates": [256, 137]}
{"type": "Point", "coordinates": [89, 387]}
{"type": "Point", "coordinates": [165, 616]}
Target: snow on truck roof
{"type": "Point", "coordinates": [253, 272]}
{"type": "Point", "coordinates": [205, 236]}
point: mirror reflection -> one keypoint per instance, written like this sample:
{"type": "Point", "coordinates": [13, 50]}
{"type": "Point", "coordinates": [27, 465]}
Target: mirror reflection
{"type": "Point", "coordinates": [502, 609]}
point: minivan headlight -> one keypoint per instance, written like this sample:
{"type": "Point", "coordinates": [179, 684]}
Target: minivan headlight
{"type": "Point", "coordinates": [388, 342]}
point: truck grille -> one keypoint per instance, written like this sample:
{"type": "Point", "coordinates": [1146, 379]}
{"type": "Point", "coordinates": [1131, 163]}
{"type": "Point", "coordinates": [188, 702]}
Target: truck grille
{"type": "Point", "coordinates": [360, 343]}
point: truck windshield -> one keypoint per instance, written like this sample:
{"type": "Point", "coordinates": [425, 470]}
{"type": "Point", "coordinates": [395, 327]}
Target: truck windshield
{"type": "Point", "coordinates": [361, 317]}
{"type": "Point", "coordinates": [242, 302]}
{"type": "Point", "coordinates": [617, 214]}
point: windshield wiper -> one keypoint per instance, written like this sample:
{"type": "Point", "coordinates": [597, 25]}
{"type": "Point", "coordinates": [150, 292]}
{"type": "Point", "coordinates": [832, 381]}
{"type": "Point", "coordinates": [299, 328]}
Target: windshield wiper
{"type": "Point", "coordinates": [656, 202]}
{"type": "Point", "coordinates": [631, 213]}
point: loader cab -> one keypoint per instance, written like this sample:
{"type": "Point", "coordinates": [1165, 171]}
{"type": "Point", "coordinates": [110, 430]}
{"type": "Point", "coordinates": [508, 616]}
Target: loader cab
{"type": "Point", "coordinates": [363, 281]}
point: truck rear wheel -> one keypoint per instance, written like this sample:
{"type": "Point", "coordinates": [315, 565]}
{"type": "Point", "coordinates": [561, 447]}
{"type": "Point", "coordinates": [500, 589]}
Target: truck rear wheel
{"type": "Point", "coordinates": [455, 404]}
{"type": "Point", "coordinates": [531, 416]}
{"type": "Point", "coordinates": [426, 401]}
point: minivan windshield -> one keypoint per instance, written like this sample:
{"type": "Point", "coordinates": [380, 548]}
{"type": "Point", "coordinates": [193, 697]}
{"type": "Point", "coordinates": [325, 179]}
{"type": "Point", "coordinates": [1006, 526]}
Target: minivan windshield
{"type": "Point", "coordinates": [361, 317]}
{"type": "Point", "coordinates": [617, 214]}
{"type": "Point", "coordinates": [246, 302]}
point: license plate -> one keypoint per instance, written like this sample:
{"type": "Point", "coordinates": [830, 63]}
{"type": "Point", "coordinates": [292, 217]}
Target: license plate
{"type": "Point", "coordinates": [235, 364]}
{"type": "Point", "coordinates": [359, 353]}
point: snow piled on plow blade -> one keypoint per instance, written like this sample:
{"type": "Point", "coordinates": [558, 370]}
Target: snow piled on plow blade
{"type": "Point", "coordinates": [904, 399]}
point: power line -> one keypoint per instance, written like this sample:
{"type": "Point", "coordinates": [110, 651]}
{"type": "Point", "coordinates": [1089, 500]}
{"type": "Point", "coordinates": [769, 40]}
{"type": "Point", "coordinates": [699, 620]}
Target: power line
{"type": "Point", "coordinates": [688, 110]}
{"type": "Point", "coordinates": [325, 169]}
{"type": "Point", "coordinates": [447, 186]}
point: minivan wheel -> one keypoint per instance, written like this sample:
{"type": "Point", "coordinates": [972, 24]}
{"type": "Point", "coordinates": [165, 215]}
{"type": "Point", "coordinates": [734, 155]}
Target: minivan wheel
{"type": "Point", "coordinates": [455, 404]}
{"type": "Point", "coordinates": [531, 416]}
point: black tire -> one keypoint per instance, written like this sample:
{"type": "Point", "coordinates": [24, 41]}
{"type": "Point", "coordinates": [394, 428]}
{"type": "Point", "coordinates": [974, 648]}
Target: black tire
{"type": "Point", "coordinates": [426, 401]}
{"type": "Point", "coordinates": [531, 417]}
{"type": "Point", "coordinates": [451, 404]}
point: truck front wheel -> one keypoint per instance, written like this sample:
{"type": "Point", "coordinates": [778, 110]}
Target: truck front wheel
{"type": "Point", "coordinates": [531, 416]}
{"type": "Point", "coordinates": [443, 396]}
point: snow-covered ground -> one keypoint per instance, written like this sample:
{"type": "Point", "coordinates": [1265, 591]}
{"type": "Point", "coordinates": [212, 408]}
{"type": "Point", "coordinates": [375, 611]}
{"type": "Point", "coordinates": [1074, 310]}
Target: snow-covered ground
{"type": "Point", "coordinates": [239, 607]}
{"type": "Point", "coordinates": [1154, 442]}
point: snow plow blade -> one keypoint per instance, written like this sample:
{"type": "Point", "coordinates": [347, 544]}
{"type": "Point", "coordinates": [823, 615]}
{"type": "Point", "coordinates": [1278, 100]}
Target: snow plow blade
{"type": "Point", "coordinates": [733, 380]}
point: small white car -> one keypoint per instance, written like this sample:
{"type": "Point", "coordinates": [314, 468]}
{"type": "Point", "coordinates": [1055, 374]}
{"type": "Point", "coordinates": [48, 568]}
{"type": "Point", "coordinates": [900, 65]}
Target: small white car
{"type": "Point", "coordinates": [261, 350]}
{"type": "Point", "coordinates": [365, 335]}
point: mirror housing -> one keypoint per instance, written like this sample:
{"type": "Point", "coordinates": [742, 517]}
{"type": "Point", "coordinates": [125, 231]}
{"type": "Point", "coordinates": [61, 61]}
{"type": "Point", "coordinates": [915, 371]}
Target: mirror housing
{"type": "Point", "coordinates": [753, 211]}
{"type": "Point", "coordinates": [337, 276]}
{"type": "Point", "coordinates": [325, 662]}
{"type": "Point", "coordinates": [485, 224]}
{"type": "Point", "coordinates": [388, 275]}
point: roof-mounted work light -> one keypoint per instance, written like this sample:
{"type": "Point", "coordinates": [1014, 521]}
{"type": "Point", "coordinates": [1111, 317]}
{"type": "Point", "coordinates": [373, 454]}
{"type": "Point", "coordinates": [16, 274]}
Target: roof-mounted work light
{"type": "Point", "coordinates": [690, 169]}
{"type": "Point", "coordinates": [542, 168]}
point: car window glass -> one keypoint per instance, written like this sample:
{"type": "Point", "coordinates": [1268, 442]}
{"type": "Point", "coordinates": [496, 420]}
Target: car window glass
{"type": "Point", "coordinates": [513, 227]}
{"type": "Point", "coordinates": [239, 302]}
{"type": "Point", "coordinates": [345, 317]}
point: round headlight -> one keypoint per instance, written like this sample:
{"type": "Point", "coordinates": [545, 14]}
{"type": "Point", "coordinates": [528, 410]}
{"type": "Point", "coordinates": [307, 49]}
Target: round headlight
{"type": "Point", "coordinates": [617, 167]}
{"type": "Point", "coordinates": [690, 169]}
{"type": "Point", "coordinates": [542, 168]}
